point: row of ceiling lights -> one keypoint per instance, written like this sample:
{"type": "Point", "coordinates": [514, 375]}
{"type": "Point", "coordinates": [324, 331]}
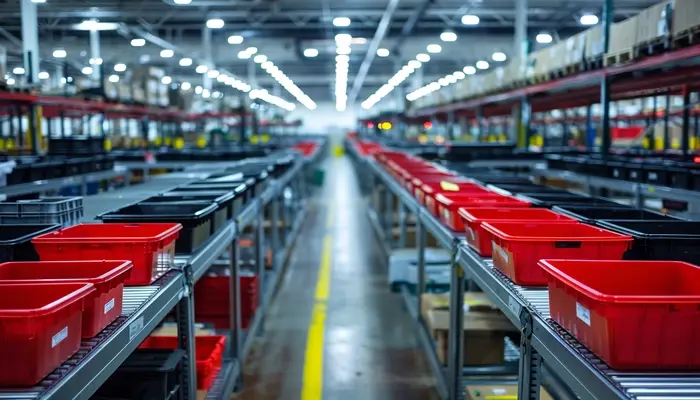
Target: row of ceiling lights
{"type": "Point", "coordinates": [343, 42]}
{"type": "Point", "coordinates": [285, 81]}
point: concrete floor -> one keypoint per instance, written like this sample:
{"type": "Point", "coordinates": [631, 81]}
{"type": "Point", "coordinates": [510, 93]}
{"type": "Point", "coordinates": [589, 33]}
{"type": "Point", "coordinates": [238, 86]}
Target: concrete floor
{"type": "Point", "coordinates": [370, 350]}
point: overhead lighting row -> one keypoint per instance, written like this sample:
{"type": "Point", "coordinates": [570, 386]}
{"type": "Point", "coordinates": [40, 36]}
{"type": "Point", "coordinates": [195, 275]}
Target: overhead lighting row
{"type": "Point", "coordinates": [263, 95]}
{"type": "Point", "coordinates": [286, 83]}
{"type": "Point", "coordinates": [343, 42]}
{"type": "Point", "coordinates": [442, 82]}
{"type": "Point", "coordinates": [394, 82]}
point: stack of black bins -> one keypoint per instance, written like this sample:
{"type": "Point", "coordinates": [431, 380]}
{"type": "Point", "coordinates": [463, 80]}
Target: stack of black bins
{"type": "Point", "coordinates": [549, 200]}
{"type": "Point", "coordinates": [243, 190]}
{"type": "Point", "coordinates": [196, 217]}
{"type": "Point", "coordinates": [591, 215]}
{"type": "Point", "coordinates": [659, 240]}
{"type": "Point", "coordinates": [258, 172]}
{"type": "Point", "coordinates": [16, 241]}
{"type": "Point", "coordinates": [223, 199]}
{"type": "Point", "coordinates": [529, 188]}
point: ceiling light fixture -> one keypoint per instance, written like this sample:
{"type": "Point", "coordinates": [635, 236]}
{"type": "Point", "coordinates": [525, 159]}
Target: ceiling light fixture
{"type": "Point", "coordinates": [186, 86]}
{"type": "Point", "coordinates": [138, 42]}
{"type": "Point", "coordinates": [11, 81]}
{"type": "Point", "coordinates": [201, 69]}
{"type": "Point", "coordinates": [470, 19]}
{"type": "Point", "coordinates": [343, 39]}
{"type": "Point", "coordinates": [343, 50]}
{"type": "Point", "coordinates": [459, 75]}
{"type": "Point", "coordinates": [43, 75]}
{"type": "Point", "coordinates": [166, 80]}
{"type": "Point", "coordinates": [213, 73]}
{"type": "Point", "coordinates": [182, 2]}
{"type": "Point", "coordinates": [198, 90]}
{"type": "Point", "coordinates": [167, 53]}
{"type": "Point", "coordinates": [243, 55]}
{"type": "Point", "coordinates": [259, 59]}
{"type": "Point", "coordinates": [469, 70]}
{"type": "Point", "coordinates": [422, 57]}
{"type": "Point", "coordinates": [544, 38]}
{"type": "Point", "coordinates": [482, 64]}
{"type": "Point", "coordinates": [120, 67]}
{"type": "Point", "coordinates": [251, 50]}
{"type": "Point", "coordinates": [96, 61]}
{"type": "Point", "coordinates": [383, 52]}
{"type": "Point", "coordinates": [86, 70]}
{"type": "Point", "coordinates": [415, 64]}
{"type": "Point", "coordinates": [589, 19]}
{"type": "Point", "coordinates": [341, 21]}
{"type": "Point", "coordinates": [498, 56]}
{"type": "Point", "coordinates": [434, 48]}
{"type": "Point", "coordinates": [215, 23]}
{"type": "Point", "coordinates": [59, 53]}
{"type": "Point", "coordinates": [113, 78]}
{"type": "Point", "coordinates": [310, 53]}
{"type": "Point", "coordinates": [448, 36]}
{"type": "Point", "coordinates": [221, 78]}
{"type": "Point", "coordinates": [18, 71]}
{"type": "Point", "coordinates": [235, 39]}
{"type": "Point", "coordinates": [185, 62]}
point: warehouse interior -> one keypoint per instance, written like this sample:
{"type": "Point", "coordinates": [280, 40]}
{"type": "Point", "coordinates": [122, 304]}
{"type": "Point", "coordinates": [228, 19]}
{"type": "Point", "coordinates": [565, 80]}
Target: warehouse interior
{"type": "Point", "coordinates": [396, 199]}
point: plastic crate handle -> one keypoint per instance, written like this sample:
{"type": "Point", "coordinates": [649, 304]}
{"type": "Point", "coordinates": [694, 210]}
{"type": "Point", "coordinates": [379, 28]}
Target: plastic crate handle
{"type": "Point", "coordinates": [567, 245]}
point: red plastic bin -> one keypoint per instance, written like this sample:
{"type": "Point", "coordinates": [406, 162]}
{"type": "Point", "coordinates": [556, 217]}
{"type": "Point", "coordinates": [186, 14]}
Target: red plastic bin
{"type": "Point", "coordinates": [150, 247]}
{"type": "Point", "coordinates": [212, 300]}
{"type": "Point", "coordinates": [448, 205]}
{"type": "Point", "coordinates": [39, 329]}
{"type": "Point", "coordinates": [480, 240]}
{"type": "Point", "coordinates": [209, 354]}
{"type": "Point", "coordinates": [518, 246]}
{"type": "Point", "coordinates": [634, 315]}
{"type": "Point", "coordinates": [101, 308]}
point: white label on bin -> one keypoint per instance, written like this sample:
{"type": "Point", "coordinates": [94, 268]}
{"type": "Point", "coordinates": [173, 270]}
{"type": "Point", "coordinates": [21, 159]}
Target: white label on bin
{"type": "Point", "coordinates": [109, 306]}
{"type": "Point", "coordinates": [471, 233]}
{"type": "Point", "coordinates": [583, 314]}
{"type": "Point", "coordinates": [135, 327]}
{"type": "Point", "coordinates": [514, 306]}
{"type": "Point", "coordinates": [59, 337]}
{"type": "Point", "coordinates": [499, 391]}
{"type": "Point", "coordinates": [499, 249]}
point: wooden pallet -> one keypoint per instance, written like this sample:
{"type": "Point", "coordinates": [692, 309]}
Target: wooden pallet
{"type": "Point", "coordinates": [619, 58]}
{"type": "Point", "coordinates": [541, 78]}
{"type": "Point", "coordinates": [591, 64]}
{"type": "Point", "coordinates": [652, 47]}
{"type": "Point", "coordinates": [686, 38]}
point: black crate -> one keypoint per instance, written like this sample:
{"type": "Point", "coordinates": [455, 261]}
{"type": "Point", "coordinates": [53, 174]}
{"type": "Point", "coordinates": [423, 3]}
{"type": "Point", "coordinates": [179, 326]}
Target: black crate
{"type": "Point", "coordinates": [635, 172]}
{"type": "Point", "coordinates": [617, 170]}
{"type": "Point", "coordinates": [227, 204]}
{"type": "Point", "coordinates": [196, 217]}
{"type": "Point", "coordinates": [147, 374]}
{"type": "Point", "coordinates": [16, 241]}
{"type": "Point", "coordinates": [660, 240]}
{"type": "Point", "coordinates": [593, 214]}
{"type": "Point", "coordinates": [246, 188]}
{"type": "Point", "coordinates": [554, 199]}
{"type": "Point", "coordinates": [531, 188]}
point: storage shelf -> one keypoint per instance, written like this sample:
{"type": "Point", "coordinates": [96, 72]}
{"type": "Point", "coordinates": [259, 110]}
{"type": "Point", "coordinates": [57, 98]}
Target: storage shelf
{"type": "Point", "coordinates": [58, 183]}
{"type": "Point", "coordinates": [578, 368]}
{"type": "Point", "coordinates": [225, 381]}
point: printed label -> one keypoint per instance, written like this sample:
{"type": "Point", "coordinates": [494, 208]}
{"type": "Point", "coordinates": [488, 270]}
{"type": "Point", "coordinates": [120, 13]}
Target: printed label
{"type": "Point", "coordinates": [109, 306]}
{"type": "Point", "coordinates": [583, 314]}
{"type": "Point", "coordinates": [59, 337]}
{"type": "Point", "coordinates": [499, 249]}
{"type": "Point", "coordinates": [514, 306]}
{"type": "Point", "coordinates": [135, 327]}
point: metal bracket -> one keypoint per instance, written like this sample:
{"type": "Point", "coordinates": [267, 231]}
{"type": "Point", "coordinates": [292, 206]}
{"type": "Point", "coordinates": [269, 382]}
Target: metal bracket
{"type": "Point", "coordinates": [530, 361]}
{"type": "Point", "coordinates": [188, 282]}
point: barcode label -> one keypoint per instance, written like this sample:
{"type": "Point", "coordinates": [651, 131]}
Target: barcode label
{"type": "Point", "coordinates": [59, 337]}
{"type": "Point", "coordinates": [109, 306]}
{"type": "Point", "coordinates": [135, 327]}
{"type": "Point", "coordinates": [583, 314]}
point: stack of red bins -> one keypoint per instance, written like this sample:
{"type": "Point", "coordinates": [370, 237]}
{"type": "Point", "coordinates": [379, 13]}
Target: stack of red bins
{"type": "Point", "coordinates": [448, 205]}
{"type": "Point", "coordinates": [47, 306]}
{"type": "Point", "coordinates": [211, 300]}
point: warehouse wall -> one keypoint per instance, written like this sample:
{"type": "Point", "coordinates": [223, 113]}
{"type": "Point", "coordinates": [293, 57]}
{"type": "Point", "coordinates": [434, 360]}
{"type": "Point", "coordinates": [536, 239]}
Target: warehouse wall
{"type": "Point", "coordinates": [325, 119]}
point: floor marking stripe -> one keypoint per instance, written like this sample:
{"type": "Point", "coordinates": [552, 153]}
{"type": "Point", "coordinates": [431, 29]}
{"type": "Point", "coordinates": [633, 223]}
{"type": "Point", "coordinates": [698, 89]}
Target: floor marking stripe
{"type": "Point", "coordinates": [312, 388]}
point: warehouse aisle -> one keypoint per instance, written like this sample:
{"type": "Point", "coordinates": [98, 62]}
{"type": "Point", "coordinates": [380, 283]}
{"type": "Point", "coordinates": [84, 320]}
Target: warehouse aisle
{"type": "Point", "coordinates": [334, 327]}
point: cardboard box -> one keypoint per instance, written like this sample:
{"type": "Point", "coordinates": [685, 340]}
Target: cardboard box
{"type": "Point", "coordinates": [498, 392]}
{"type": "Point", "coordinates": [485, 327]}
{"type": "Point", "coordinates": [623, 36]}
{"type": "Point", "coordinates": [594, 42]}
{"type": "Point", "coordinates": [686, 16]}
{"type": "Point", "coordinates": [654, 22]}
{"type": "Point", "coordinates": [138, 95]}
{"type": "Point", "coordinates": [575, 49]}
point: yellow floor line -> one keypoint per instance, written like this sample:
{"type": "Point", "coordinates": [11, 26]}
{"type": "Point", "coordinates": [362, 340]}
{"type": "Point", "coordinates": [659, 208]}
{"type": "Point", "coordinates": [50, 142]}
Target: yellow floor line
{"type": "Point", "coordinates": [313, 359]}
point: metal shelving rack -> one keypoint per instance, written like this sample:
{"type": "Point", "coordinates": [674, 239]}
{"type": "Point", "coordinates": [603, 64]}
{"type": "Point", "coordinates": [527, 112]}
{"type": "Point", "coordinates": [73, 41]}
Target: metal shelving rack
{"type": "Point", "coordinates": [145, 307]}
{"type": "Point", "coordinates": [543, 343]}
{"type": "Point", "coordinates": [58, 183]}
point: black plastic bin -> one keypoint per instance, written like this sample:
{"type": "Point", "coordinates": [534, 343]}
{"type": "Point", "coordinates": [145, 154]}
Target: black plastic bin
{"type": "Point", "coordinates": [227, 204]}
{"type": "Point", "coordinates": [495, 179]}
{"type": "Point", "coordinates": [593, 214]}
{"type": "Point", "coordinates": [196, 217]}
{"type": "Point", "coordinates": [660, 240]}
{"type": "Point", "coordinates": [554, 199]}
{"type": "Point", "coordinates": [246, 188]}
{"type": "Point", "coordinates": [16, 241]}
{"type": "Point", "coordinates": [258, 175]}
{"type": "Point", "coordinates": [147, 374]}
{"type": "Point", "coordinates": [532, 188]}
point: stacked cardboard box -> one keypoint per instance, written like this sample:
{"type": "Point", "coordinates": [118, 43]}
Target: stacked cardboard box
{"type": "Point", "coordinates": [146, 85]}
{"type": "Point", "coordinates": [655, 22]}
{"type": "Point", "coordinates": [686, 16]}
{"type": "Point", "coordinates": [485, 327]}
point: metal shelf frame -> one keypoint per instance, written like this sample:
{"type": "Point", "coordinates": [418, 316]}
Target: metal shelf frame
{"type": "Point", "coordinates": [145, 307]}
{"type": "Point", "coordinates": [544, 345]}
{"type": "Point", "coordinates": [58, 183]}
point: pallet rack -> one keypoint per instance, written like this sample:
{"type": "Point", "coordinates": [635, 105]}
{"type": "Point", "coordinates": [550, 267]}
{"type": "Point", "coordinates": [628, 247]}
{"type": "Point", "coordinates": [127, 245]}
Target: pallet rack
{"type": "Point", "coordinates": [145, 307]}
{"type": "Point", "coordinates": [544, 345]}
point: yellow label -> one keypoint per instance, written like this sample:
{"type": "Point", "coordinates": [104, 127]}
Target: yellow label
{"type": "Point", "coordinates": [539, 141]}
{"type": "Point", "coordinates": [645, 143]}
{"type": "Point", "coordinates": [692, 143]}
{"type": "Point", "coordinates": [179, 143]}
{"type": "Point", "coordinates": [265, 138]}
{"type": "Point", "coordinates": [254, 139]}
{"type": "Point", "coordinates": [651, 189]}
{"type": "Point", "coordinates": [108, 144]}
{"type": "Point", "coordinates": [157, 141]}
{"type": "Point", "coordinates": [168, 141]}
{"type": "Point", "coordinates": [201, 142]}
{"type": "Point", "coordinates": [658, 143]}
{"type": "Point", "coordinates": [449, 186]}
{"type": "Point", "coordinates": [2, 144]}
{"type": "Point", "coordinates": [675, 143]}
{"type": "Point", "coordinates": [502, 138]}
{"type": "Point", "coordinates": [10, 144]}
{"type": "Point", "coordinates": [423, 139]}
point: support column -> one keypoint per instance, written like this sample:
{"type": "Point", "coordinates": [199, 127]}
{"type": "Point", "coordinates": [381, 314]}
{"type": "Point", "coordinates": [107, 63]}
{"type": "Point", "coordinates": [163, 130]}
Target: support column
{"type": "Point", "coordinates": [95, 54]}
{"type": "Point", "coordinates": [520, 45]}
{"type": "Point", "coordinates": [685, 141]}
{"type": "Point", "coordinates": [206, 46]}
{"type": "Point", "coordinates": [252, 81]}
{"type": "Point", "coordinates": [30, 40]}
{"type": "Point", "coordinates": [605, 84]}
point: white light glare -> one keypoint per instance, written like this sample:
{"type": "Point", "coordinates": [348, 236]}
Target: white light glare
{"type": "Point", "coordinates": [167, 53]}
{"type": "Point", "coordinates": [186, 86]}
{"type": "Point", "coordinates": [482, 64]}
{"type": "Point", "coordinates": [213, 73]}
{"type": "Point", "coordinates": [18, 71]}
{"type": "Point", "coordinates": [243, 55]}
{"type": "Point", "coordinates": [235, 39]}
{"type": "Point", "coordinates": [415, 64]}
{"type": "Point", "coordinates": [96, 61]}
{"type": "Point", "coordinates": [215, 23]}
{"type": "Point", "coordinates": [341, 21]}
{"type": "Point", "coordinates": [434, 48]}
{"type": "Point", "coordinates": [251, 50]}
{"type": "Point", "coordinates": [198, 90]}
{"type": "Point", "coordinates": [470, 20]}
{"type": "Point", "coordinates": [185, 62]}
{"type": "Point", "coordinates": [113, 78]}
{"type": "Point", "coordinates": [182, 2]}
{"type": "Point", "coordinates": [588, 19]}
{"type": "Point", "coordinates": [422, 57]}
{"type": "Point", "coordinates": [59, 53]}
{"type": "Point", "coordinates": [201, 69]}
{"type": "Point", "coordinates": [448, 36]}
{"type": "Point", "coordinates": [166, 80]}
{"type": "Point", "coordinates": [43, 75]}
{"type": "Point", "coordinates": [544, 38]}
{"type": "Point", "coordinates": [459, 75]}
{"type": "Point", "coordinates": [11, 81]}
{"type": "Point", "coordinates": [469, 70]}
{"type": "Point", "coordinates": [87, 70]}
{"type": "Point", "coordinates": [138, 42]}
{"type": "Point", "coordinates": [120, 67]}
{"type": "Point", "coordinates": [311, 53]}
{"type": "Point", "coordinates": [343, 50]}
{"type": "Point", "coordinates": [498, 56]}
{"type": "Point", "coordinates": [383, 52]}
{"type": "Point", "coordinates": [343, 39]}
{"type": "Point", "coordinates": [260, 59]}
